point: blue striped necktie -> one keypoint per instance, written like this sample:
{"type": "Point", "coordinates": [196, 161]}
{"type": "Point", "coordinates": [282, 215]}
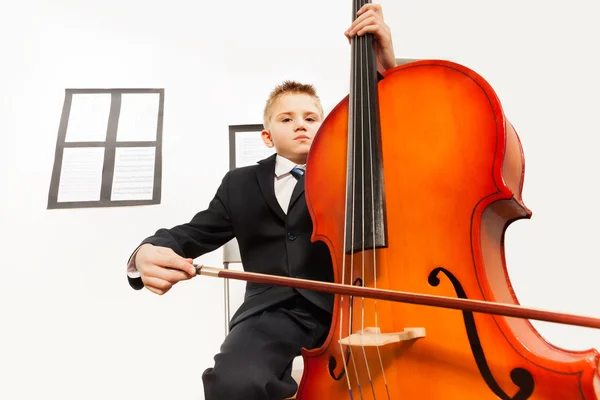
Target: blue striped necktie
{"type": "Point", "coordinates": [297, 172]}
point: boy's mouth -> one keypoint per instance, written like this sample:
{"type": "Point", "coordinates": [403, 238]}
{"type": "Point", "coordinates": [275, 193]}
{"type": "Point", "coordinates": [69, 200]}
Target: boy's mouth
{"type": "Point", "coordinates": [300, 137]}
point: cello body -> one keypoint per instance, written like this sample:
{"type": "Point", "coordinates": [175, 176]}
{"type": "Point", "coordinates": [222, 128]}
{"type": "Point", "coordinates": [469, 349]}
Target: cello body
{"type": "Point", "coordinates": [450, 168]}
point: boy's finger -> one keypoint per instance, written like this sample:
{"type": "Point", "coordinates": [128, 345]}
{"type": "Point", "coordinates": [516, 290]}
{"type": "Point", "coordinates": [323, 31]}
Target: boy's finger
{"type": "Point", "coordinates": [374, 29]}
{"type": "Point", "coordinates": [169, 271]}
{"type": "Point", "coordinates": [368, 25]}
{"type": "Point", "coordinates": [170, 275]}
{"type": "Point", "coordinates": [371, 6]}
{"type": "Point", "coordinates": [174, 261]}
{"type": "Point", "coordinates": [357, 21]}
{"type": "Point", "coordinates": [363, 20]}
{"type": "Point", "coordinates": [157, 285]}
{"type": "Point", "coordinates": [153, 290]}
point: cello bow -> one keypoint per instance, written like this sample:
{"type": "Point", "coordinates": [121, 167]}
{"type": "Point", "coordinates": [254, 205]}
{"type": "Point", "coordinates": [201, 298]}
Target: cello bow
{"type": "Point", "coordinates": [487, 307]}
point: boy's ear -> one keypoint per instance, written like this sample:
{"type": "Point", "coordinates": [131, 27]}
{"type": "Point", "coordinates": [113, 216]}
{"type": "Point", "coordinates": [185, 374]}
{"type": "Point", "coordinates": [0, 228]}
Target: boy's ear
{"type": "Point", "coordinates": [266, 137]}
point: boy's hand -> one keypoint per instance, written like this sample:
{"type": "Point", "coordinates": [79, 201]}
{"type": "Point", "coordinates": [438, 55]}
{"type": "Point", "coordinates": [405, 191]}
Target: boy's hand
{"type": "Point", "coordinates": [161, 268]}
{"type": "Point", "coordinates": [370, 20]}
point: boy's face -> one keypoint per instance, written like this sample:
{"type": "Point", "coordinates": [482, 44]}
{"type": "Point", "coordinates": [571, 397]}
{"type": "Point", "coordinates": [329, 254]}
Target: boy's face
{"type": "Point", "coordinates": [294, 121]}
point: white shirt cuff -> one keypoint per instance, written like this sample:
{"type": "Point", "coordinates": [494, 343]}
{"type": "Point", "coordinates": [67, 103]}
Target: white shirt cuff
{"type": "Point", "coordinates": [132, 271]}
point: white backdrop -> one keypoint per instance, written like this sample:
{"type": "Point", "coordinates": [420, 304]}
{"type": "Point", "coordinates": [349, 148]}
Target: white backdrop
{"type": "Point", "coordinates": [71, 326]}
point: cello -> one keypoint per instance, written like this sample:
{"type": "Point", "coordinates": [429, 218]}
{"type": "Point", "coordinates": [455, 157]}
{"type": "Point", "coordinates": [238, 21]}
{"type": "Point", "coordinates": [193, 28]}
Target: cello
{"type": "Point", "coordinates": [412, 182]}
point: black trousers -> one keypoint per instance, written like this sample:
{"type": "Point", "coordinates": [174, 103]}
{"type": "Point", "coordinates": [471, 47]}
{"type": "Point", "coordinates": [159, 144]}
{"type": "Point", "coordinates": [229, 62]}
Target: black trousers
{"type": "Point", "coordinates": [255, 360]}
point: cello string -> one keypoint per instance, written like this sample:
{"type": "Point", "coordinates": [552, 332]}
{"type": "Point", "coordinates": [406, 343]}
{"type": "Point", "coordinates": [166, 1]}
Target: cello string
{"type": "Point", "coordinates": [373, 110]}
{"type": "Point", "coordinates": [364, 114]}
{"type": "Point", "coordinates": [351, 303]}
{"type": "Point", "coordinates": [351, 145]}
{"type": "Point", "coordinates": [341, 311]}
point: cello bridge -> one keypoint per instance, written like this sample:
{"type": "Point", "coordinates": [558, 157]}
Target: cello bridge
{"type": "Point", "coordinates": [372, 337]}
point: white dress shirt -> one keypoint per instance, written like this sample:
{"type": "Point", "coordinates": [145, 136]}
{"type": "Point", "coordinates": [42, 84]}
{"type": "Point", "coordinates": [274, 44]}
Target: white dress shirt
{"type": "Point", "coordinates": [284, 180]}
{"type": "Point", "coordinates": [285, 183]}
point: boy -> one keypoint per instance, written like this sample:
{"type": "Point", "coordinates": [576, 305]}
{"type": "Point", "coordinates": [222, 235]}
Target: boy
{"type": "Point", "coordinates": [263, 206]}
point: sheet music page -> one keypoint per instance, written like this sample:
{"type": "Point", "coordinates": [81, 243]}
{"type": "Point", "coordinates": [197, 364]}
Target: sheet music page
{"type": "Point", "coordinates": [134, 173]}
{"type": "Point", "coordinates": [138, 119]}
{"type": "Point", "coordinates": [250, 148]}
{"type": "Point", "coordinates": [81, 174]}
{"type": "Point", "coordinates": [88, 117]}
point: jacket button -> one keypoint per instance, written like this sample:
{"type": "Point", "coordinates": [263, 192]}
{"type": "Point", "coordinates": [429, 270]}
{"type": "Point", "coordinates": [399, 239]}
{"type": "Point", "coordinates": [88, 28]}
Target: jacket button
{"type": "Point", "coordinates": [291, 236]}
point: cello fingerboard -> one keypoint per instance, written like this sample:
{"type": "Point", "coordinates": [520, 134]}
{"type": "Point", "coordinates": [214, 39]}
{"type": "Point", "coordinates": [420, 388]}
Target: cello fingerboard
{"type": "Point", "coordinates": [365, 201]}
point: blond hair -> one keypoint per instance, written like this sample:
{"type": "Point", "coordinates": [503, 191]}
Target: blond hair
{"type": "Point", "coordinates": [288, 87]}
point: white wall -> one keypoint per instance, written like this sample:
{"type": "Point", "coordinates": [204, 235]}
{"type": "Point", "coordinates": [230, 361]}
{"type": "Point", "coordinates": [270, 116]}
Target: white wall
{"type": "Point", "coordinates": [71, 326]}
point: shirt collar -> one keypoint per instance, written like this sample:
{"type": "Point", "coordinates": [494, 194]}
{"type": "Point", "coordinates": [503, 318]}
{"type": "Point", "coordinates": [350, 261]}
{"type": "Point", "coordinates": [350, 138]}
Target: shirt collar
{"type": "Point", "coordinates": [284, 166]}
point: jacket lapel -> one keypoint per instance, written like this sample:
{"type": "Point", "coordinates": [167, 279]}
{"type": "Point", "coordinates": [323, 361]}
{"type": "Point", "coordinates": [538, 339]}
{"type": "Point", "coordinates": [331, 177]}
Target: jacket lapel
{"type": "Point", "coordinates": [266, 180]}
{"type": "Point", "coordinates": [298, 190]}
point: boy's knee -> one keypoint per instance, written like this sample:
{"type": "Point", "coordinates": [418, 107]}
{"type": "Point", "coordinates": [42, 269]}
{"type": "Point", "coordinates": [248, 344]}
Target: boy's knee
{"type": "Point", "coordinates": [234, 383]}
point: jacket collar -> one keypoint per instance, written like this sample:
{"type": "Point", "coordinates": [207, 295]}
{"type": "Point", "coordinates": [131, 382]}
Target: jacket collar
{"type": "Point", "coordinates": [266, 172]}
{"type": "Point", "coordinates": [265, 176]}
{"type": "Point", "coordinates": [283, 166]}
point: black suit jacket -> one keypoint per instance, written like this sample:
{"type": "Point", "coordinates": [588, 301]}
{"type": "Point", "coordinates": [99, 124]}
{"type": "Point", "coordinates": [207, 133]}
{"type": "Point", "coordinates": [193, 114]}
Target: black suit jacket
{"type": "Point", "coordinates": [270, 242]}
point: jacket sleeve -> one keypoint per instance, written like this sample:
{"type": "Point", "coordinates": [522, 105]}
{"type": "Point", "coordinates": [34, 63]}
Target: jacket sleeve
{"type": "Point", "coordinates": [208, 230]}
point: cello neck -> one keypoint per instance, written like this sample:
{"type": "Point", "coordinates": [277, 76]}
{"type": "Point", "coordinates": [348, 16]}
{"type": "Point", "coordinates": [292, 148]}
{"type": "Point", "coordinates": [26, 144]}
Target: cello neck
{"type": "Point", "coordinates": [365, 205]}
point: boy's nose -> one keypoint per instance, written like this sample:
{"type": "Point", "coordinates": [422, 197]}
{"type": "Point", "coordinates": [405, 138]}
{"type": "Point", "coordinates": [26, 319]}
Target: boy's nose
{"type": "Point", "coordinates": [300, 125]}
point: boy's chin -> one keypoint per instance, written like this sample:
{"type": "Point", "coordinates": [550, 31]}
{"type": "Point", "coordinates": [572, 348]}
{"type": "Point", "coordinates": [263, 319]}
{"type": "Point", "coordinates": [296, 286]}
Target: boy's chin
{"type": "Point", "coordinates": [298, 152]}
{"type": "Point", "coordinates": [301, 153]}
{"type": "Point", "coordinates": [295, 155]}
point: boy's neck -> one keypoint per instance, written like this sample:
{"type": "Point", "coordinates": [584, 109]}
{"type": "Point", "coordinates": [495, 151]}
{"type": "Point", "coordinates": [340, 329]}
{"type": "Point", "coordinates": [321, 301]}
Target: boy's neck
{"type": "Point", "coordinates": [300, 160]}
